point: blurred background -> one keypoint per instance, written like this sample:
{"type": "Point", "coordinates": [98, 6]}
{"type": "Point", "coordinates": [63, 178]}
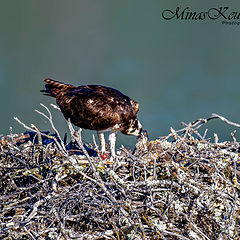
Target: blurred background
{"type": "Point", "coordinates": [178, 70]}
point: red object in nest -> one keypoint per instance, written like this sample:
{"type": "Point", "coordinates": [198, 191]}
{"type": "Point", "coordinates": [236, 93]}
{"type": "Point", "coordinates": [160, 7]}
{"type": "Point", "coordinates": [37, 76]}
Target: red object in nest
{"type": "Point", "coordinates": [104, 156]}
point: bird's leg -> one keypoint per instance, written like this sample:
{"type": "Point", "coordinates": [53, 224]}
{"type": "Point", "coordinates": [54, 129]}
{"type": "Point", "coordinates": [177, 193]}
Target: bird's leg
{"type": "Point", "coordinates": [102, 141]}
{"type": "Point", "coordinates": [112, 142]}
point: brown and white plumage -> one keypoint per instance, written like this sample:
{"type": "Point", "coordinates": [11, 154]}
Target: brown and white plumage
{"type": "Point", "coordinates": [97, 108]}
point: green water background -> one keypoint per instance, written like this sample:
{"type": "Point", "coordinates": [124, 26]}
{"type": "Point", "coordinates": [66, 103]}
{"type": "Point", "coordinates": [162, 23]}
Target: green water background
{"type": "Point", "coordinates": [177, 70]}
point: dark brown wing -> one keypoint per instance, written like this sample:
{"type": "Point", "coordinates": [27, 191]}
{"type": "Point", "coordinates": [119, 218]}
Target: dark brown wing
{"type": "Point", "coordinates": [95, 107]}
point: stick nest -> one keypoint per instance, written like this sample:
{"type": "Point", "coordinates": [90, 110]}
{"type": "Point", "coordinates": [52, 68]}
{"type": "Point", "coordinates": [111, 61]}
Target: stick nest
{"type": "Point", "coordinates": [181, 186]}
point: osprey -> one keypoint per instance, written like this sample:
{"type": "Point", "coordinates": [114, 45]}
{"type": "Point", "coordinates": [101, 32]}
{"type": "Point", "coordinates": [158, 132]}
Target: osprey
{"type": "Point", "coordinates": [97, 108]}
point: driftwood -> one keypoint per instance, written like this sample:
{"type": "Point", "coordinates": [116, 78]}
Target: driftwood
{"type": "Point", "coordinates": [181, 186]}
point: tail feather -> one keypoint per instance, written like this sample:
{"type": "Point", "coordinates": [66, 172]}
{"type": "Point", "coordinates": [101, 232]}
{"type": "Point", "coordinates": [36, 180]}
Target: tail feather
{"type": "Point", "coordinates": [53, 87]}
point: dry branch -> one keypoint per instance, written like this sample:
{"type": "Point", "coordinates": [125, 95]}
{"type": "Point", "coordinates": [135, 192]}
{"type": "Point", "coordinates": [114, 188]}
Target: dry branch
{"type": "Point", "coordinates": [187, 188]}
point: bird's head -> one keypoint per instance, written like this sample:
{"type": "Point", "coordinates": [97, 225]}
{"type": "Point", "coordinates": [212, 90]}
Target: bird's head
{"type": "Point", "coordinates": [142, 143]}
{"type": "Point", "coordinates": [132, 127]}
{"type": "Point", "coordinates": [143, 134]}
{"type": "Point", "coordinates": [143, 137]}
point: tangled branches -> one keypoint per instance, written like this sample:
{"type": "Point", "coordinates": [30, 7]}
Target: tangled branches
{"type": "Point", "coordinates": [186, 188]}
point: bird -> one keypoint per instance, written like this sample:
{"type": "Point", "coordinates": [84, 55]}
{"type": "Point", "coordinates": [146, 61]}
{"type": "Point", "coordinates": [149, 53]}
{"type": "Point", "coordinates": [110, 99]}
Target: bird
{"type": "Point", "coordinates": [97, 107]}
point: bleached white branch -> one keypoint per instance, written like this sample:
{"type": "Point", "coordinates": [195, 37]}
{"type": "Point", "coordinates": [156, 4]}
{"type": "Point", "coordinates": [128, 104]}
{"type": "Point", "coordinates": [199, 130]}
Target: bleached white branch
{"type": "Point", "coordinates": [225, 120]}
{"type": "Point", "coordinates": [43, 134]}
{"type": "Point", "coordinates": [50, 119]}
{"type": "Point", "coordinates": [76, 135]}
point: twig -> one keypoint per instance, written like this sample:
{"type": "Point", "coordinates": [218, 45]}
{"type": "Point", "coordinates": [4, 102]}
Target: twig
{"type": "Point", "coordinates": [51, 122]}
{"type": "Point", "coordinates": [214, 115]}
{"type": "Point", "coordinates": [77, 137]}
{"type": "Point", "coordinates": [43, 134]}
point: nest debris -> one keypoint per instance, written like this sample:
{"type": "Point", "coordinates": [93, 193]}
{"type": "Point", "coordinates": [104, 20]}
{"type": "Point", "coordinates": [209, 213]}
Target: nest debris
{"type": "Point", "coordinates": [181, 186]}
